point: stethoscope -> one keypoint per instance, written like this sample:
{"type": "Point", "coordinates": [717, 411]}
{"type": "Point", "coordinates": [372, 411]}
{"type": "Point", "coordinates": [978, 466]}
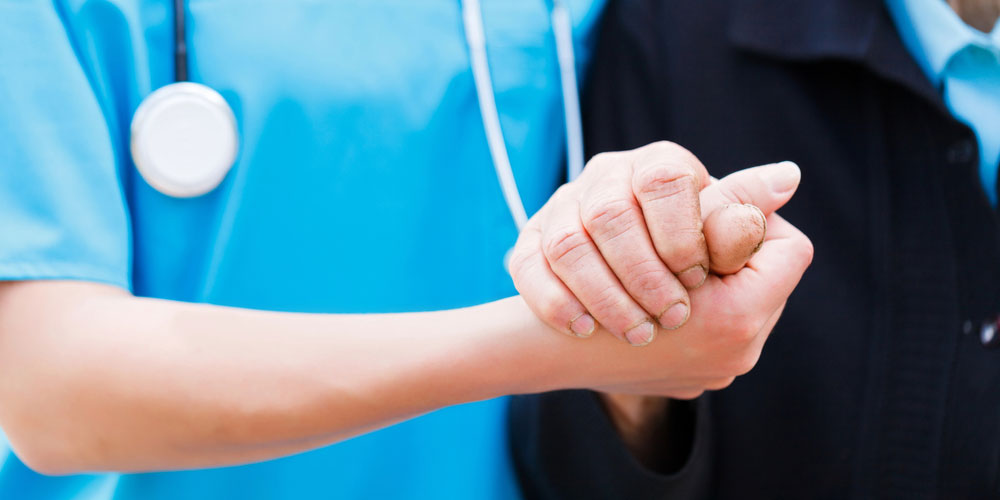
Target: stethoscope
{"type": "Point", "coordinates": [184, 136]}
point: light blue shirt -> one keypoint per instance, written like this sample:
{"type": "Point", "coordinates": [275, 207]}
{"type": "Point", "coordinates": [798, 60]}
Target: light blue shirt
{"type": "Point", "coordinates": [965, 65]}
{"type": "Point", "coordinates": [364, 184]}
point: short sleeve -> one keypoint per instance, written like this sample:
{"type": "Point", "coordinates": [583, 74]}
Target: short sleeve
{"type": "Point", "coordinates": [62, 210]}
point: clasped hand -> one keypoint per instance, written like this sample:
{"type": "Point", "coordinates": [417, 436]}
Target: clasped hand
{"type": "Point", "coordinates": [646, 246]}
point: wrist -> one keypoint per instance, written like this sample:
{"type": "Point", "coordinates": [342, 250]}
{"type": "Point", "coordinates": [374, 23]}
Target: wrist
{"type": "Point", "coordinates": [635, 417]}
{"type": "Point", "coordinates": [649, 429]}
{"type": "Point", "coordinates": [519, 354]}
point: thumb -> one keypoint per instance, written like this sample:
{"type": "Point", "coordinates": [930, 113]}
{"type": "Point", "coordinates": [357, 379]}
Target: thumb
{"type": "Point", "coordinates": [767, 187]}
{"type": "Point", "coordinates": [733, 234]}
{"type": "Point", "coordinates": [735, 210]}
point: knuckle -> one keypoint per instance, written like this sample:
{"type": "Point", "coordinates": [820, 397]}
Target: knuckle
{"type": "Point", "coordinates": [525, 281]}
{"type": "Point", "coordinates": [737, 327]}
{"type": "Point", "coordinates": [613, 310]}
{"type": "Point", "coordinates": [687, 244]}
{"type": "Point", "coordinates": [551, 308]}
{"type": "Point", "coordinates": [736, 319]}
{"type": "Point", "coordinates": [664, 180]}
{"type": "Point", "coordinates": [647, 277]}
{"type": "Point", "coordinates": [518, 265]}
{"type": "Point", "coordinates": [523, 257]}
{"type": "Point", "coordinates": [566, 190]}
{"type": "Point", "coordinates": [609, 218]}
{"type": "Point", "coordinates": [688, 394]}
{"type": "Point", "coordinates": [719, 384]}
{"type": "Point", "coordinates": [608, 300]}
{"type": "Point", "coordinates": [738, 193]}
{"type": "Point", "coordinates": [727, 307]}
{"type": "Point", "coordinates": [807, 251]}
{"type": "Point", "coordinates": [650, 280]}
{"type": "Point", "coordinates": [743, 330]}
{"type": "Point", "coordinates": [666, 149]}
{"type": "Point", "coordinates": [565, 246]}
{"type": "Point", "coordinates": [745, 362]}
{"type": "Point", "coordinates": [602, 160]}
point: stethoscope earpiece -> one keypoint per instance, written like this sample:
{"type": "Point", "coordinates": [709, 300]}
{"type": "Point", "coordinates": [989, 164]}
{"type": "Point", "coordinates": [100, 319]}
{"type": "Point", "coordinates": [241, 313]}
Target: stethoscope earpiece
{"type": "Point", "coordinates": [184, 139]}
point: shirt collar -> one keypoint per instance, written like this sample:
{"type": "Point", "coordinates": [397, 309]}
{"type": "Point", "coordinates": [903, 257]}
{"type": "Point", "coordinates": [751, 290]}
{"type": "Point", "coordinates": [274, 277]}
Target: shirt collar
{"type": "Point", "coordinates": [933, 33]}
{"type": "Point", "coordinates": [805, 29]}
{"type": "Point", "coordinates": [860, 31]}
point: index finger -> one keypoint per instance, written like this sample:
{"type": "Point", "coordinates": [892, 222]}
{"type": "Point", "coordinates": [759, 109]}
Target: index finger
{"type": "Point", "coordinates": [667, 183]}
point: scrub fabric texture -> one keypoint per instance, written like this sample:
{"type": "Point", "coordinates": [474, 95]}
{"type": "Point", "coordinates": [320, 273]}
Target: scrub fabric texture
{"type": "Point", "coordinates": [364, 184]}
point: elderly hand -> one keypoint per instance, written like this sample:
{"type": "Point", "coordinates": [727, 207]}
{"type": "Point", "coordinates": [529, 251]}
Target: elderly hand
{"type": "Point", "coordinates": [622, 245]}
{"type": "Point", "coordinates": [625, 243]}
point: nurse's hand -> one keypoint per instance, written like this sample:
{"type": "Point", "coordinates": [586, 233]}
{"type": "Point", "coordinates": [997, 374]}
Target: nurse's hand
{"type": "Point", "coordinates": [729, 325]}
{"type": "Point", "coordinates": [622, 245]}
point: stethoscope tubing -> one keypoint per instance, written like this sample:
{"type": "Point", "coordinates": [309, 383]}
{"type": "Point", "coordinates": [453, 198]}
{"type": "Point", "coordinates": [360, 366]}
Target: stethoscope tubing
{"type": "Point", "coordinates": [476, 37]}
{"type": "Point", "coordinates": [472, 20]}
{"type": "Point", "coordinates": [562, 28]}
{"type": "Point", "coordinates": [180, 43]}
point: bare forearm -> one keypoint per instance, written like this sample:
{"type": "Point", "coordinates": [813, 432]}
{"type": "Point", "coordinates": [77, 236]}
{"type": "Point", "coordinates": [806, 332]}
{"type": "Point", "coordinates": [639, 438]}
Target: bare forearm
{"type": "Point", "coordinates": [116, 382]}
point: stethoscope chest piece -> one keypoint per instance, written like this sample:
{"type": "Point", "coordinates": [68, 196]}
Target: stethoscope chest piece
{"type": "Point", "coordinates": [184, 139]}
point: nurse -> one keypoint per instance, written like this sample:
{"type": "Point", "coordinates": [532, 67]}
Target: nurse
{"type": "Point", "coordinates": [149, 329]}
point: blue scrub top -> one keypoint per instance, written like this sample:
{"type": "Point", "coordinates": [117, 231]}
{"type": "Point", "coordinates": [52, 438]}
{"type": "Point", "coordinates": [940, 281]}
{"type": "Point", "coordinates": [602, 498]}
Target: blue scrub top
{"type": "Point", "coordinates": [364, 184]}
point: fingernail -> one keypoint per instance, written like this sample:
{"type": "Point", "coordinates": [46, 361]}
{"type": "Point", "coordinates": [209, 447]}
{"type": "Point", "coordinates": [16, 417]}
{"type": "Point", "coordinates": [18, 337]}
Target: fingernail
{"type": "Point", "coordinates": [693, 277]}
{"type": "Point", "coordinates": [641, 335]}
{"type": "Point", "coordinates": [782, 177]}
{"type": "Point", "coordinates": [763, 224]}
{"type": "Point", "coordinates": [675, 316]}
{"type": "Point", "coordinates": [583, 326]}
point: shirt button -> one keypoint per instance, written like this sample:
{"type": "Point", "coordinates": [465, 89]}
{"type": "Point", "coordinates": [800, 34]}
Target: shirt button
{"type": "Point", "coordinates": [961, 152]}
{"type": "Point", "coordinates": [989, 335]}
